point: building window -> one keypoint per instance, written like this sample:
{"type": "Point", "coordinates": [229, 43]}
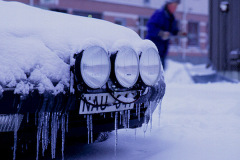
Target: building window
{"type": "Point", "coordinates": [142, 25]}
{"type": "Point", "coordinates": [120, 21]}
{"type": "Point", "coordinates": [87, 14]}
{"type": "Point", "coordinates": [59, 10]}
{"type": "Point", "coordinates": [49, 2]}
{"type": "Point", "coordinates": [146, 1]}
{"type": "Point", "coordinates": [193, 33]}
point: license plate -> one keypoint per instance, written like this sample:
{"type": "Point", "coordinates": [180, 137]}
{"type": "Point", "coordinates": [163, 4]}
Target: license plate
{"type": "Point", "coordinates": [90, 109]}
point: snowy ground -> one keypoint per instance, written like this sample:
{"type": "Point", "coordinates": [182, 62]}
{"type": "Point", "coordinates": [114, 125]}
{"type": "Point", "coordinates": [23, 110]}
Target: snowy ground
{"type": "Point", "coordinates": [198, 122]}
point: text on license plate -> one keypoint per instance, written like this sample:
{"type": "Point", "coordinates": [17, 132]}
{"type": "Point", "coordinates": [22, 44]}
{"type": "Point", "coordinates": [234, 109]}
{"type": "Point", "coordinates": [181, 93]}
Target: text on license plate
{"type": "Point", "coordinates": [90, 109]}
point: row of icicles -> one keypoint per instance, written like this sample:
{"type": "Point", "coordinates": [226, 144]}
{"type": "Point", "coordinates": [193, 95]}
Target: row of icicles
{"type": "Point", "coordinates": [60, 121]}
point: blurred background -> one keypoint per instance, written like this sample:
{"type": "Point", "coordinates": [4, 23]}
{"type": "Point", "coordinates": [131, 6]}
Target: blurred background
{"type": "Point", "coordinates": [213, 26]}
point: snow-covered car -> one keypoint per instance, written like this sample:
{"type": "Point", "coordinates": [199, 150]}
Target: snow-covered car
{"type": "Point", "coordinates": [60, 72]}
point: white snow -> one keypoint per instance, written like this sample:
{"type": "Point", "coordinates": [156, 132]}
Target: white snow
{"type": "Point", "coordinates": [198, 122]}
{"type": "Point", "coordinates": [37, 46]}
{"type": "Point", "coordinates": [177, 74]}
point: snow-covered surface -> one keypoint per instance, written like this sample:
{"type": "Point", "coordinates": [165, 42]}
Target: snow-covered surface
{"type": "Point", "coordinates": [198, 122]}
{"type": "Point", "coordinates": [36, 45]}
{"type": "Point", "coordinates": [177, 74]}
{"type": "Point", "coordinates": [199, 70]}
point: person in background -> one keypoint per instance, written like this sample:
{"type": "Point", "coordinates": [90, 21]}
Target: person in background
{"type": "Point", "coordinates": [161, 25]}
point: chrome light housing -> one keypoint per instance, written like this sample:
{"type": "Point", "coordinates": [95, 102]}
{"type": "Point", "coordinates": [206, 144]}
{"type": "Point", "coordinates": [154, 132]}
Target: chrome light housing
{"type": "Point", "coordinates": [95, 66]}
{"type": "Point", "coordinates": [150, 66]}
{"type": "Point", "coordinates": [126, 66]}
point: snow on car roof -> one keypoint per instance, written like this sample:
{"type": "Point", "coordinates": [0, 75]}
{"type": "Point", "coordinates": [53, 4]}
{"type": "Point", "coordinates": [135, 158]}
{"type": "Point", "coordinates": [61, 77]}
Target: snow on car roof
{"type": "Point", "coordinates": [36, 45]}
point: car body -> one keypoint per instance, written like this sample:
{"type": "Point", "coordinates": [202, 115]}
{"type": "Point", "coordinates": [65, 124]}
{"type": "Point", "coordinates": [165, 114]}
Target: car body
{"type": "Point", "coordinates": [70, 73]}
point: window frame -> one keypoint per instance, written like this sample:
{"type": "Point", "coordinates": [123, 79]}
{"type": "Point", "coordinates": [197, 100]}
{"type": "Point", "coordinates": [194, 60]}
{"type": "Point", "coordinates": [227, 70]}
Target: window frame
{"type": "Point", "coordinates": [190, 41]}
{"type": "Point", "coordinates": [142, 26]}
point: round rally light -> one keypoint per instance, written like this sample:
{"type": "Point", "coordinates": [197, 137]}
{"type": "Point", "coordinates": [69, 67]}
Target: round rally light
{"type": "Point", "coordinates": [126, 67]}
{"type": "Point", "coordinates": [95, 66]}
{"type": "Point", "coordinates": [150, 66]}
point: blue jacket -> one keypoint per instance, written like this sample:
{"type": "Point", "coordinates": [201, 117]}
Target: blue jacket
{"type": "Point", "coordinates": [161, 20]}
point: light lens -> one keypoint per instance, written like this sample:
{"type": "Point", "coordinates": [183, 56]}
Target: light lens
{"type": "Point", "coordinates": [95, 67]}
{"type": "Point", "coordinates": [150, 66]}
{"type": "Point", "coordinates": [126, 67]}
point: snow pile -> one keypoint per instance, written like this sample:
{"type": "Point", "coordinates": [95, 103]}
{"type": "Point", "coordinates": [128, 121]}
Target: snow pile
{"type": "Point", "coordinates": [36, 46]}
{"type": "Point", "coordinates": [199, 70]}
{"type": "Point", "coordinates": [177, 73]}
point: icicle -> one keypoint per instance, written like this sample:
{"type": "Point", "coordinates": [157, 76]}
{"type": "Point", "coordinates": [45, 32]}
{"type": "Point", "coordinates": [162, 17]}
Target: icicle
{"type": "Point", "coordinates": [45, 128]}
{"type": "Point", "coordinates": [151, 105]}
{"type": "Point", "coordinates": [145, 125]}
{"type": "Point", "coordinates": [58, 122]}
{"type": "Point", "coordinates": [91, 128]}
{"type": "Point", "coordinates": [54, 127]}
{"type": "Point", "coordinates": [124, 119]}
{"type": "Point", "coordinates": [67, 123]}
{"type": "Point", "coordinates": [15, 135]}
{"type": "Point", "coordinates": [104, 115]}
{"type": "Point", "coordinates": [71, 82]}
{"type": "Point", "coordinates": [128, 116]}
{"type": "Point", "coordinates": [139, 112]}
{"type": "Point", "coordinates": [52, 135]}
{"type": "Point", "coordinates": [120, 118]}
{"type": "Point", "coordinates": [88, 128]}
{"type": "Point", "coordinates": [43, 134]}
{"type": "Point", "coordinates": [111, 114]}
{"type": "Point", "coordinates": [136, 105]}
{"type": "Point", "coordinates": [116, 133]}
{"type": "Point", "coordinates": [38, 140]}
{"type": "Point", "coordinates": [63, 135]}
{"type": "Point", "coordinates": [159, 111]}
{"type": "Point", "coordinates": [39, 130]}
